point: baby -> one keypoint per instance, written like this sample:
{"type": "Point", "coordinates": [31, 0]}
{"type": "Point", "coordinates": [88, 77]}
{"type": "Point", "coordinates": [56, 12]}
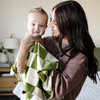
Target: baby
{"type": "Point", "coordinates": [36, 25]}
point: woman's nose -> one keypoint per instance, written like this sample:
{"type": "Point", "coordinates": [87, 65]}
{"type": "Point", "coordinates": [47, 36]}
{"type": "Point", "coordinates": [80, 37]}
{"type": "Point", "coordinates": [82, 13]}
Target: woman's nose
{"type": "Point", "coordinates": [50, 24]}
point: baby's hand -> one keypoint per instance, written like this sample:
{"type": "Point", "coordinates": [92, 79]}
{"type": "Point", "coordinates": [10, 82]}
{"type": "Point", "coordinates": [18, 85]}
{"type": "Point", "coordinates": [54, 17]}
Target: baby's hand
{"type": "Point", "coordinates": [21, 70]}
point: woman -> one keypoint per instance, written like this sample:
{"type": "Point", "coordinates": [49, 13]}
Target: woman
{"type": "Point", "coordinates": [73, 46]}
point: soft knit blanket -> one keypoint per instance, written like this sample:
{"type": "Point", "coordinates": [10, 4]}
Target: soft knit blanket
{"type": "Point", "coordinates": [38, 76]}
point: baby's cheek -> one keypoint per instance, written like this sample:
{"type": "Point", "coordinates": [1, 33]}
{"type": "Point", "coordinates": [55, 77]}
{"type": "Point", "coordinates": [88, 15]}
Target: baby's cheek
{"type": "Point", "coordinates": [42, 32]}
{"type": "Point", "coordinates": [30, 28]}
{"type": "Point", "coordinates": [30, 32]}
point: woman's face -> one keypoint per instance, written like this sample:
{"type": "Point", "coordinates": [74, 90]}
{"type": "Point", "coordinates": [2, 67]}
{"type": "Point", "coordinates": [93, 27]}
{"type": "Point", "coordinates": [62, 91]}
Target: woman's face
{"type": "Point", "coordinates": [53, 24]}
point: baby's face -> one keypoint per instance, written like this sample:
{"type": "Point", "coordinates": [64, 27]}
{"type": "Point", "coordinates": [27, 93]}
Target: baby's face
{"type": "Point", "coordinates": [36, 24]}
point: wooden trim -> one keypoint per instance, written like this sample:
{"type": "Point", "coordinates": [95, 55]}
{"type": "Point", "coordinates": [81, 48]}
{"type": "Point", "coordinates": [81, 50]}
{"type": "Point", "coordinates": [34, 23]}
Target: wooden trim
{"type": "Point", "coordinates": [6, 94]}
{"type": "Point", "coordinates": [5, 69]}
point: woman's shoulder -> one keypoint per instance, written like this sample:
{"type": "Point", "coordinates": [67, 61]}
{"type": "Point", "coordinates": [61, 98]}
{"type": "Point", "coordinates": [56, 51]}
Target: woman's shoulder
{"type": "Point", "coordinates": [76, 65]}
{"type": "Point", "coordinates": [79, 58]}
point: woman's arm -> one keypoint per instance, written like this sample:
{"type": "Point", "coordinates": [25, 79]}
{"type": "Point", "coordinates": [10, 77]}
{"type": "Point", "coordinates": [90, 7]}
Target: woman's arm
{"type": "Point", "coordinates": [68, 79]}
{"type": "Point", "coordinates": [73, 74]}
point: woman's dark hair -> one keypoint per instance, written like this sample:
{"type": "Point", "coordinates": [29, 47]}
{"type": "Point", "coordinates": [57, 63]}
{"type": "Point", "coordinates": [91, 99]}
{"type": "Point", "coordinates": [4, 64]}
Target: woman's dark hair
{"type": "Point", "coordinates": [72, 22]}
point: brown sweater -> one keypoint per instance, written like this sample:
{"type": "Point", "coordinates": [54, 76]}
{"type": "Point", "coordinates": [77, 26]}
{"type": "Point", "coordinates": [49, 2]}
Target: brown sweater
{"type": "Point", "coordinates": [26, 43]}
{"type": "Point", "coordinates": [69, 82]}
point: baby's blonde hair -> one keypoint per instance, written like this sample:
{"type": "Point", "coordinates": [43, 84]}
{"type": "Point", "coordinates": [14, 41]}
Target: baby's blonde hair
{"type": "Point", "coordinates": [40, 10]}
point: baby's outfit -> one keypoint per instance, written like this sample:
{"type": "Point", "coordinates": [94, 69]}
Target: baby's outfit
{"type": "Point", "coordinates": [25, 46]}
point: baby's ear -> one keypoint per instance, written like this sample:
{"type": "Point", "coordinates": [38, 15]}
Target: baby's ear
{"type": "Point", "coordinates": [26, 23]}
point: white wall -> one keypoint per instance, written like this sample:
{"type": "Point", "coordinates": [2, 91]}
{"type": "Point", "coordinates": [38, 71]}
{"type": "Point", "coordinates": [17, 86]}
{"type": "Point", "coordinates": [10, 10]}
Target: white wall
{"type": "Point", "coordinates": [13, 16]}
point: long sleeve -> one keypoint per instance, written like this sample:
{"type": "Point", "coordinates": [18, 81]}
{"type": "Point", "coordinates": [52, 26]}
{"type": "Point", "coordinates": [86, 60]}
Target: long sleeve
{"type": "Point", "coordinates": [26, 43]}
{"type": "Point", "coordinates": [68, 79]}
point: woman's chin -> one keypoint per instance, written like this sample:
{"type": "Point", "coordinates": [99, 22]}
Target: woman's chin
{"type": "Point", "coordinates": [55, 35]}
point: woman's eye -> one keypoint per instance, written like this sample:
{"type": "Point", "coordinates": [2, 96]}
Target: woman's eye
{"type": "Point", "coordinates": [50, 19]}
{"type": "Point", "coordinates": [55, 23]}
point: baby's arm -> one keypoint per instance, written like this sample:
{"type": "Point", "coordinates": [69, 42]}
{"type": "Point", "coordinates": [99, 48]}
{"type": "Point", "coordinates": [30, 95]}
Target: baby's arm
{"type": "Point", "coordinates": [26, 43]}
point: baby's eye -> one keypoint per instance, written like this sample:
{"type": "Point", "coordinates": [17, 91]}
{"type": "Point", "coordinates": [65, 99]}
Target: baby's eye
{"type": "Point", "coordinates": [33, 24]}
{"type": "Point", "coordinates": [41, 26]}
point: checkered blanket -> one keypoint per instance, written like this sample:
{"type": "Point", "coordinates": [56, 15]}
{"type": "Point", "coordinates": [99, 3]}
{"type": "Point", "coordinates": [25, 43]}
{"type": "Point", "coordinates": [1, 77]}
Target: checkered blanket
{"type": "Point", "coordinates": [38, 76]}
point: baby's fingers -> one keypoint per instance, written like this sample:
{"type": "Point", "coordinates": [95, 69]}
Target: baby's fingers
{"type": "Point", "coordinates": [21, 71]}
